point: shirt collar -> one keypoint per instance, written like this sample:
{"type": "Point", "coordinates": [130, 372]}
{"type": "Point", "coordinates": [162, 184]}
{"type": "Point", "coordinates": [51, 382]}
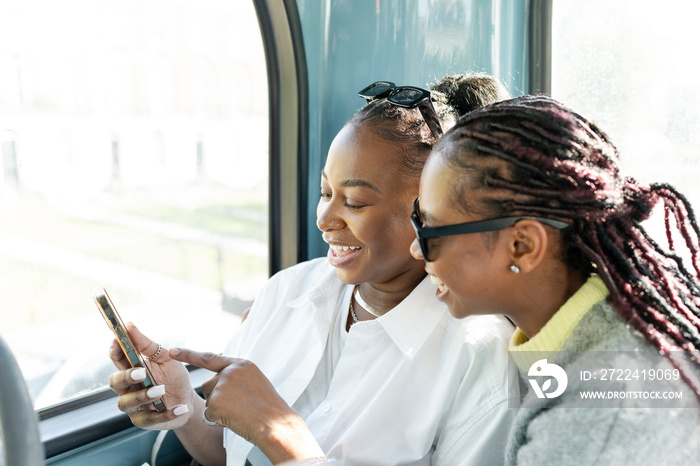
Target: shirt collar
{"type": "Point", "coordinates": [411, 322]}
{"type": "Point", "coordinates": [327, 287]}
{"type": "Point", "coordinates": [408, 325]}
{"type": "Point", "coordinates": [556, 331]}
{"type": "Point", "coordinates": [324, 298]}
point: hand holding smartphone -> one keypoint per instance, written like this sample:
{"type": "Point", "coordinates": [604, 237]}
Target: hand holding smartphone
{"type": "Point", "coordinates": [114, 321]}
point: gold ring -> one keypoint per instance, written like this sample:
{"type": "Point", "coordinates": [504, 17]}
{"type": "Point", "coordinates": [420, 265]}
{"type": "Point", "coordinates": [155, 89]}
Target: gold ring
{"type": "Point", "coordinates": [156, 354]}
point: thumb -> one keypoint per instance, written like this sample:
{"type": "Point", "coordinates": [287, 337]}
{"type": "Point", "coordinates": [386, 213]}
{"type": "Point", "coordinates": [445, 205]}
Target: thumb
{"type": "Point", "coordinates": [142, 343]}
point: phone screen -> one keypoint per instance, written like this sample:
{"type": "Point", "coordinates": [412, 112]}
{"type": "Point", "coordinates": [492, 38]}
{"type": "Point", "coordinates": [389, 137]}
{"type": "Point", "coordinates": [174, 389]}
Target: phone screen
{"type": "Point", "coordinates": [109, 312]}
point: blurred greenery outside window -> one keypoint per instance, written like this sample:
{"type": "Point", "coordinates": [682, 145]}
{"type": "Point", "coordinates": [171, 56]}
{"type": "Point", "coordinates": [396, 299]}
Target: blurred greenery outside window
{"type": "Point", "coordinates": [134, 156]}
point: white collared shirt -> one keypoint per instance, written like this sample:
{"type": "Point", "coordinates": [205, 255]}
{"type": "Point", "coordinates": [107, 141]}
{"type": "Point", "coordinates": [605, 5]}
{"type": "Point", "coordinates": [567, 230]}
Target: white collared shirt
{"type": "Point", "coordinates": [413, 387]}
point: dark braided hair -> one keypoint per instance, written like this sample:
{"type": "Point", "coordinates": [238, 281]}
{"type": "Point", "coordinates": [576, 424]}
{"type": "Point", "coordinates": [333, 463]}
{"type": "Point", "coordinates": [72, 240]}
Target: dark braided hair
{"type": "Point", "coordinates": [559, 165]}
{"type": "Point", "coordinates": [453, 96]}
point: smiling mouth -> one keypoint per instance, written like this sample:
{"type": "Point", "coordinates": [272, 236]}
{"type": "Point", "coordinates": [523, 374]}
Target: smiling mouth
{"type": "Point", "coordinates": [342, 256]}
{"type": "Point", "coordinates": [439, 283]}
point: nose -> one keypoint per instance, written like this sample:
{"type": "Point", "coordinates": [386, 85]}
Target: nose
{"type": "Point", "coordinates": [415, 250]}
{"type": "Point", "coordinates": [327, 218]}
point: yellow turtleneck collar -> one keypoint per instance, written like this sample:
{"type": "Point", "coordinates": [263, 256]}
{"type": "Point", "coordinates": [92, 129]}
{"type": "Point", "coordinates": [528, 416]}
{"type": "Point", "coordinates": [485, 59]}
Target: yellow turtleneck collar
{"type": "Point", "coordinates": [552, 336]}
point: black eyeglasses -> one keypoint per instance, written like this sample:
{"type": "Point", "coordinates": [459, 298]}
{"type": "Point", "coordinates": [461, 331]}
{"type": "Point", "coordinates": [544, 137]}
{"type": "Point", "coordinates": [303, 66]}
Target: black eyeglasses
{"type": "Point", "coordinates": [424, 233]}
{"type": "Point", "coordinates": [406, 97]}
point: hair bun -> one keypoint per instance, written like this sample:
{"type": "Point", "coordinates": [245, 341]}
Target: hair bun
{"type": "Point", "coordinates": [466, 92]}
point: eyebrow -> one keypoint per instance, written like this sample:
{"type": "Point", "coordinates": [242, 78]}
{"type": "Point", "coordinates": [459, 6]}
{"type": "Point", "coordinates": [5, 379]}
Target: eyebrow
{"type": "Point", "coordinates": [427, 216]}
{"type": "Point", "coordinates": [355, 183]}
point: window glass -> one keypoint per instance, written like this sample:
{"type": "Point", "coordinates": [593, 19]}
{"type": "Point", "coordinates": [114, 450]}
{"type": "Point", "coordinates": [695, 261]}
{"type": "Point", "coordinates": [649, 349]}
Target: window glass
{"type": "Point", "coordinates": [630, 66]}
{"type": "Point", "coordinates": [134, 156]}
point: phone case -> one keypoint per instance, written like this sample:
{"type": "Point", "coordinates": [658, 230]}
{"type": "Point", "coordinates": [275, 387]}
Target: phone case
{"type": "Point", "coordinates": [114, 321]}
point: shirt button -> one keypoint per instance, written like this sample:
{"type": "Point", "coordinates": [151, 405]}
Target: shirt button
{"type": "Point", "coordinates": [326, 409]}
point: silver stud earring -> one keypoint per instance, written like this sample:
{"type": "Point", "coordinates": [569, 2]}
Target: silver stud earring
{"type": "Point", "coordinates": [515, 268]}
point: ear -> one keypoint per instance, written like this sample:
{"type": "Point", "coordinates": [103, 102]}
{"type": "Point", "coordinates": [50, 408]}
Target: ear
{"type": "Point", "coordinates": [528, 244]}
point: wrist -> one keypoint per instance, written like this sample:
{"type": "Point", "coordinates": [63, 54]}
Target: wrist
{"type": "Point", "coordinates": [195, 406]}
{"type": "Point", "coordinates": [291, 439]}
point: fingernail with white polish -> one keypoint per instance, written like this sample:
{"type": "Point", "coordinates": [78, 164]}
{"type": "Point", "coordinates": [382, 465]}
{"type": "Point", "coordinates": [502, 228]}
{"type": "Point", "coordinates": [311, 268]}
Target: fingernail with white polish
{"type": "Point", "coordinates": [138, 375]}
{"type": "Point", "coordinates": [180, 410]}
{"type": "Point", "coordinates": [155, 392]}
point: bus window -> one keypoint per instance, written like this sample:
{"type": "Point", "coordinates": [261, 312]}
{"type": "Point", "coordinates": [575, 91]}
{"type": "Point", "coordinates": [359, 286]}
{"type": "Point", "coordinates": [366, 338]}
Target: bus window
{"type": "Point", "coordinates": [134, 155]}
{"type": "Point", "coordinates": [629, 66]}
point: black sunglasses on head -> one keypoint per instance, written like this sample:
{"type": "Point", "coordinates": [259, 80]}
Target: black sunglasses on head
{"type": "Point", "coordinates": [424, 233]}
{"type": "Point", "coordinates": [406, 97]}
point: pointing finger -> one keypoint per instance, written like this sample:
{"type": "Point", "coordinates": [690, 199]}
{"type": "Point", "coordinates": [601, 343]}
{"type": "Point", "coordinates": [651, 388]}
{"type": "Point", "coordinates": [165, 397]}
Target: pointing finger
{"type": "Point", "coordinates": [210, 361]}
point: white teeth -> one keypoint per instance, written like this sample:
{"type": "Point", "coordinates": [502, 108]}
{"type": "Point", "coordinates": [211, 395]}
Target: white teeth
{"type": "Point", "coordinates": [439, 283]}
{"type": "Point", "coordinates": [344, 248]}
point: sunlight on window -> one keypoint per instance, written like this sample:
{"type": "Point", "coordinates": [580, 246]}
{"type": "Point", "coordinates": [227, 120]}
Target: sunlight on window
{"type": "Point", "coordinates": [125, 166]}
{"type": "Point", "coordinates": [631, 67]}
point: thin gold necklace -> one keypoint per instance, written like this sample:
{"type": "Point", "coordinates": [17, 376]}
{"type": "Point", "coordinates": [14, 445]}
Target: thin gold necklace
{"type": "Point", "coordinates": [352, 313]}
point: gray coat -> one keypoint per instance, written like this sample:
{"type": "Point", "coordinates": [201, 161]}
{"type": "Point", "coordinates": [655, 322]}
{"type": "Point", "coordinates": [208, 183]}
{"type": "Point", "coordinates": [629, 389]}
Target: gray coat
{"type": "Point", "coordinates": [563, 431]}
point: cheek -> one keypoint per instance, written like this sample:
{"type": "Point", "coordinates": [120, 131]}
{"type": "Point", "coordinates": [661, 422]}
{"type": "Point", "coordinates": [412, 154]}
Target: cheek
{"type": "Point", "coordinates": [399, 231]}
{"type": "Point", "coordinates": [474, 279]}
{"type": "Point", "coordinates": [387, 238]}
{"type": "Point", "coordinates": [460, 267]}
{"type": "Point", "coordinates": [449, 271]}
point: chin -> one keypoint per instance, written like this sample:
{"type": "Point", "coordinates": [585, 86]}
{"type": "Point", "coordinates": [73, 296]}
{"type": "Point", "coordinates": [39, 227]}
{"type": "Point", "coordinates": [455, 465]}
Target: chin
{"type": "Point", "coordinates": [460, 310]}
{"type": "Point", "coordinates": [458, 313]}
{"type": "Point", "coordinates": [347, 277]}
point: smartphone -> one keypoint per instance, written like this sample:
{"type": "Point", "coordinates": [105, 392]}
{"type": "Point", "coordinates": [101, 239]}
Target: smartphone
{"type": "Point", "coordinates": [114, 321]}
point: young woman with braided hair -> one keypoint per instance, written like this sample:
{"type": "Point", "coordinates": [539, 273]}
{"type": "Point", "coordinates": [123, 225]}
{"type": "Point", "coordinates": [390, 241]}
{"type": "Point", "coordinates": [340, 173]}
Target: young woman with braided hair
{"type": "Point", "coordinates": [523, 212]}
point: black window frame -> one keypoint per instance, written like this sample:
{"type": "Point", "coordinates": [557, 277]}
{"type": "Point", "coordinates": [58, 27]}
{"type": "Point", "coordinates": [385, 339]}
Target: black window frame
{"type": "Point", "coordinates": [539, 47]}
